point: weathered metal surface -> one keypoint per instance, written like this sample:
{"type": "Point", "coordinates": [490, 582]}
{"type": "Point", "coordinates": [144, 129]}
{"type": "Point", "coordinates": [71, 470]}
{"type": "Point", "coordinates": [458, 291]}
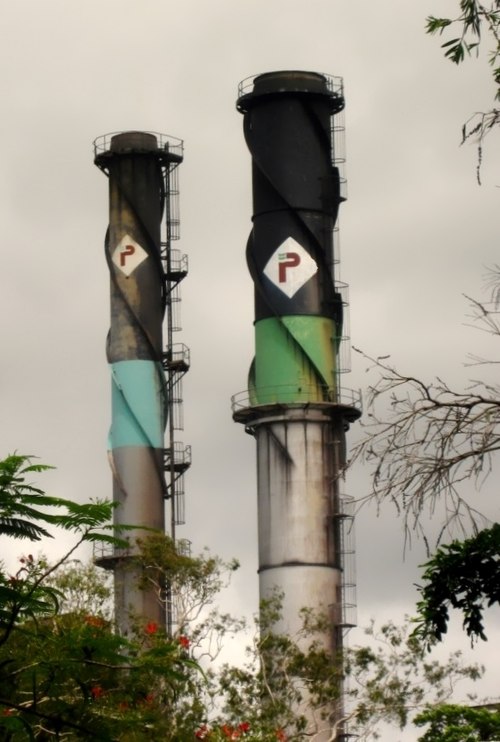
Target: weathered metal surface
{"type": "Point", "coordinates": [295, 409]}
{"type": "Point", "coordinates": [134, 351]}
{"type": "Point", "coordinates": [296, 196]}
{"type": "Point", "coordinates": [136, 202]}
{"type": "Point", "coordinates": [298, 460]}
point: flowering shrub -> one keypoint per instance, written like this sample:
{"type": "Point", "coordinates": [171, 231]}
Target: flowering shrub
{"type": "Point", "coordinates": [66, 673]}
{"type": "Point", "coordinates": [95, 621]}
{"type": "Point", "coordinates": [96, 692]}
{"type": "Point", "coordinates": [202, 732]}
{"type": "Point", "coordinates": [151, 628]}
{"type": "Point", "coordinates": [223, 732]}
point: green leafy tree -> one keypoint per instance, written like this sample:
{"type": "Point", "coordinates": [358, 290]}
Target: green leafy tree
{"type": "Point", "coordinates": [25, 513]}
{"type": "Point", "coordinates": [70, 675]}
{"type": "Point", "coordinates": [451, 723]}
{"type": "Point", "coordinates": [392, 678]}
{"type": "Point", "coordinates": [389, 678]}
{"type": "Point", "coordinates": [463, 575]}
{"type": "Point", "coordinates": [83, 589]}
{"type": "Point", "coordinates": [66, 674]}
{"type": "Point", "coordinates": [288, 682]}
{"type": "Point", "coordinates": [467, 31]}
{"type": "Point", "coordinates": [195, 581]}
{"type": "Point", "coordinates": [473, 20]}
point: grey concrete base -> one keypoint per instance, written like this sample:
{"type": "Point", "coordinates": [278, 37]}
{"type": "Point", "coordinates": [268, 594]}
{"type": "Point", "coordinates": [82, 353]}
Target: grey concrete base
{"type": "Point", "coordinates": [299, 459]}
{"type": "Point", "coordinates": [138, 492]}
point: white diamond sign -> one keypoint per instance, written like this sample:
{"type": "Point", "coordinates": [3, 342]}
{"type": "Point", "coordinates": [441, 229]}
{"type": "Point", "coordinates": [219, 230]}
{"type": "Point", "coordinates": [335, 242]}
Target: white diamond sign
{"type": "Point", "coordinates": [290, 267]}
{"type": "Point", "coordinates": [128, 255]}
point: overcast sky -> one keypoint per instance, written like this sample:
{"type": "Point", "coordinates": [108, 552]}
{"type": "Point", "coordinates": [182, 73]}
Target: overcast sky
{"type": "Point", "coordinates": [416, 232]}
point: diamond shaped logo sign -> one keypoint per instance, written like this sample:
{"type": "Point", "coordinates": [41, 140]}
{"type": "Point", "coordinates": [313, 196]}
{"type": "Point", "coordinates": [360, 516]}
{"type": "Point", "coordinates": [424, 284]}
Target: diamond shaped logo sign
{"type": "Point", "coordinates": [290, 267]}
{"type": "Point", "coordinates": [128, 255]}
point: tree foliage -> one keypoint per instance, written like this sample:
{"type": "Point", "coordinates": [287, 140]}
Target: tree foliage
{"type": "Point", "coordinates": [464, 575]}
{"type": "Point", "coordinates": [66, 674]}
{"type": "Point", "coordinates": [474, 20]}
{"type": "Point", "coordinates": [392, 678]}
{"type": "Point", "coordinates": [69, 675]}
{"type": "Point", "coordinates": [25, 513]}
{"type": "Point", "coordinates": [451, 723]}
{"type": "Point", "coordinates": [195, 581]}
{"type": "Point", "coordinates": [72, 677]}
{"type": "Point", "coordinates": [287, 683]}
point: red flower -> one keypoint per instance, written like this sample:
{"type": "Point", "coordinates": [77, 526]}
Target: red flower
{"type": "Point", "coordinates": [229, 732]}
{"type": "Point", "coordinates": [280, 734]}
{"type": "Point", "coordinates": [202, 732]}
{"type": "Point", "coordinates": [96, 692]}
{"type": "Point", "coordinates": [184, 641]}
{"type": "Point", "coordinates": [244, 727]}
{"type": "Point", "coordinates": [151, 628]}
{"type": "Point", "coordinates": [94, 621]}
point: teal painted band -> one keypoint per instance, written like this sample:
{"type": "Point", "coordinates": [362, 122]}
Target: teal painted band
{"type": "Point", "coordinates": [137, 400]}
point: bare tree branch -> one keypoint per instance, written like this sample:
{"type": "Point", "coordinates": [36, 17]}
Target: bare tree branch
{"type": "Point", "coordinates": [429, 444]}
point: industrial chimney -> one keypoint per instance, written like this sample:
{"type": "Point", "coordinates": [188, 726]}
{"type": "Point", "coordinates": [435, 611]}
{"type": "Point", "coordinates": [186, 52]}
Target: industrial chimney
{"type": "Point", "coordinates": [294, 405]}
{"type": "Point", "coordinates": [140, 168]}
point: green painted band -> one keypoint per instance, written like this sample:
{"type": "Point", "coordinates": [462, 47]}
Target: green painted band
{"type": "Point", "coordinates": [137, 399]}
{"type": "Point", "coordinates": [295, 359]}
